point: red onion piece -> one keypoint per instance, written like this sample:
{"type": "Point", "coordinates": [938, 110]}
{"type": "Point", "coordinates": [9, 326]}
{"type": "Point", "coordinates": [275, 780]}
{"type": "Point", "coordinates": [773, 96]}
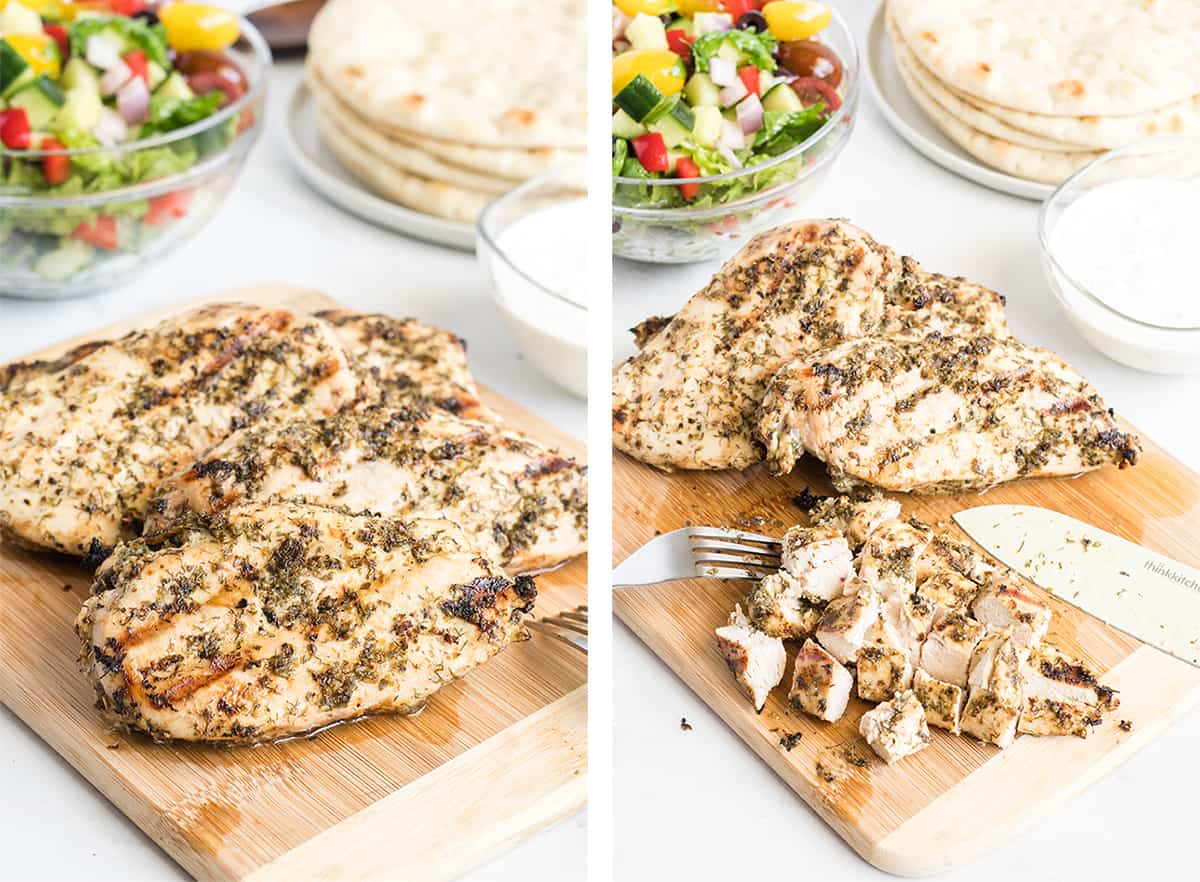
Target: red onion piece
{"type": "Point", "coordinates": [110, 129]}
{"type": "Point", "coordinates": [709, 22]}
{"type": "Point", "coordinates": [133, 101]}
{"type": "Point", "coordinates": [733, 93]}
{"type": "Point", "coordinates": [750, 114]}
{"type": "Point", "coordinates": [620, 21]}
{"type": "Point", "coordinates": [722, 71]}
{"type": "Point", "coordinates": [732, 135]}
{"type": "Point", "coordinates": [103, 51]}
{"type": "Point", "coordinates": [729, 156]}
{"type": "Point", "coordinates": [114, 78]}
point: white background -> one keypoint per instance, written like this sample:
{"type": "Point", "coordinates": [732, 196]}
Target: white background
{"type": "Point", "coordinates": [700, 805]}
{"type": "Point", "coordinates": [53, 824]}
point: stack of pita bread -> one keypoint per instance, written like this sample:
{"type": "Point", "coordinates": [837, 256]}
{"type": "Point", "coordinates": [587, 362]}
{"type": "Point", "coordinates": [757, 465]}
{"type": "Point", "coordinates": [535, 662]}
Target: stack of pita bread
{"type": "Point", "coordinates": [443, 106]}
{"type": "Point", "coordinates": [1038, 89]}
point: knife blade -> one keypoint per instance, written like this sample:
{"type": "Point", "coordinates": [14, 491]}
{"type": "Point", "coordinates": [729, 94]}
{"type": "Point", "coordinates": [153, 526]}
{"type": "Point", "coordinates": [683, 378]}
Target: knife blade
{"type": "Point", "coordinates": [1145, 594]}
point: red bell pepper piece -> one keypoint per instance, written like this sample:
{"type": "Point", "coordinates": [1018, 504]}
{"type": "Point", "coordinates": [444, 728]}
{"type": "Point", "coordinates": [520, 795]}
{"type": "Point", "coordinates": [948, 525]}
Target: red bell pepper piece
{"type": "Point", "coordinates": [59, 33]}
{"type": "Point", "coordinates": [126, 7]}
{"type": "Point", "coordinates": [685, 167]}
{"type": "Point", "coordinates": [135, 60]}
{"type": "Point", "coordinates": [14, 129]}
{"type": "Point", "coordinates": [56, 168]}
{"type": "Point", "coordinates": [678, 42]}
{"type": "Point", "coordinates": [167, 206]}
{"type": "Point", "coordinates": [651, 152]}
{"type": "Point", "coordinates": [737, 8]}
{"type": "Point", "coordinates": [750, 79]}
{"type": "Point", "coordinates": [102, 232]}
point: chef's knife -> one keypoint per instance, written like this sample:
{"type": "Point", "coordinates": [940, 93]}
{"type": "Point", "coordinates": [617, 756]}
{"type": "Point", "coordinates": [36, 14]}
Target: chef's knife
{"type": "Point", "coordinates": [1135, 590]}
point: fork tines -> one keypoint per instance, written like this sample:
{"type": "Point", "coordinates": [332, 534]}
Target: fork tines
{"type": "Point", "coordinates": [733, 554]}
{"type": "Point", "coordinates": [571, 627]}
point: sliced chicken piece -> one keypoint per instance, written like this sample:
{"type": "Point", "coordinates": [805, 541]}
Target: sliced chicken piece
{"type": "Point", "coordinates": [938, 414]}
{"type": "Point", "coordinates": [1050, 716]}
{"type": "Point", "coordinates": [843, 628]}
{"type": "Point", "coordinates": [888, 560]}
{"type": "Point", "coordinates": [819, 559]}
{"type": "Point", "coordinates": [1052, 674]}
{"type": "Point", "coordinates": [945, 554]}
{"type": "Point", "coordinates": [896, 728]}
{"type": "Point", "coordinates": [524, 506]}
{"type": "Point", "coordinates": [924, 303]}
{"type": "Point", "coordinates": [820, 684]}
{"type": "Point", "coordinates": [84, 445]}
{"type": "Point", "coordinates": [884, 666]}
{"type": "Point", "coordinates": [995, 698]}
{"type": "Point", "coordinates": [949, 591]}
{"type": "Point", "coordinates": [405, 363]}
{"type": "Point", "coordinates": [856, 514]}
{"type": "Point", "coordinates": [946, 652]}
{"type": "Point", "coordinates": [943, 702]}
{"type": "Point", "coordinates": [688, 398]}
{"type": "Point", "coordinates": [779, 606]}
{"type": "Point", "coordinates": [910, 619]}
{"type": "Point", "coordinates": [758, 662]}
{"type": "Point", "coordinates": [274, 620]}
{"type": "Point", "coordinates": [1004, 602]}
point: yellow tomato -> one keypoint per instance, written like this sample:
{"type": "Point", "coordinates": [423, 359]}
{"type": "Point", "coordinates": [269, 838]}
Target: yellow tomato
{"type": "Point", "coordinates": [195, 26]}
{"type": "Point", "coordinates": [790, 20]}
{"type": "Point", "coordinates": [662, 67]}
{"type": "Point", "coordinates": [691, 7]}
{"type": "Point", "coordinates": [649, 7]}
{"type": "Point", "coordinates": [39, 51]}
{"type": "Point", "coordinates": [54, 10]}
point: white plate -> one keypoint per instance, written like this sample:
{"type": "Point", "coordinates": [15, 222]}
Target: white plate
{"type": "Point", "coordinates": [326, 175]}
{"type": "Point", "coordinates": [911, 123]}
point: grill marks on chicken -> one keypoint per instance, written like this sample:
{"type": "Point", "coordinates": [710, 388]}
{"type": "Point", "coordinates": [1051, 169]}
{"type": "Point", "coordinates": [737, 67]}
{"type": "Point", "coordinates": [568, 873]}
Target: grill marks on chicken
{"type": "Point", "coordinates": [85, 440]}
{"type": "Point", "coordinates": [520, 504]}
{"type": "Point", "coordinates": [689, 397]}
{"type": "Point", "coordinates": [939, 414]}
{"type": "Point", "coordinates": [274, 620]}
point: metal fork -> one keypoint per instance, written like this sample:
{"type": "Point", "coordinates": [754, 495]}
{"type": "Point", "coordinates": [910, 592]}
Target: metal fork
{"type": "Point", "coordinates": [570, 627]}
{"type": "Point", "coordinates": [700, 552]}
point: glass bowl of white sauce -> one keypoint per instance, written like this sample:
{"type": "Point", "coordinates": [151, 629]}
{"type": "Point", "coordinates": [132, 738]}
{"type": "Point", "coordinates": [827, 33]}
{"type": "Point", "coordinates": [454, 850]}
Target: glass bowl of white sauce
{"type": "Point", "coordinates": [530, 242]}
{"type": "Point", "coordinates": [1119, 240]}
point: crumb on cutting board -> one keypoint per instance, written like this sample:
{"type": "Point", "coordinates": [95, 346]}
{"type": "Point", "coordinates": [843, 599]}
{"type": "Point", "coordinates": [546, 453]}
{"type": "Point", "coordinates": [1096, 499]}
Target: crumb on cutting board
{"type": "Point", "coordinates": [1125, 725]}
{"type": "Point", "coordinates": [684, 725]}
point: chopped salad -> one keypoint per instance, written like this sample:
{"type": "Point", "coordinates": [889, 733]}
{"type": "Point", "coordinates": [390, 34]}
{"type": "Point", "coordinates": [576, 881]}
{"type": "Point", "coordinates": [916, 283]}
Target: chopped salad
{"type": "Point", "coordinates": [85, 75]}
{"type": "Point", "coordinates": [705, 87]}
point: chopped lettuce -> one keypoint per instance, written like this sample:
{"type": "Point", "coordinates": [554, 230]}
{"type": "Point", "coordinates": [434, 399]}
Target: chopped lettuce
{"type": "Point", "coordinates": [168, 114]}
{"type": "Point", "coordinates": [754, 47]}
{"type": "Point", "coordinates": [620, 153]}
{"type": "Point", "coordinates": [133, 32]}
{"type": "Point", "coordinates": [783, 131]}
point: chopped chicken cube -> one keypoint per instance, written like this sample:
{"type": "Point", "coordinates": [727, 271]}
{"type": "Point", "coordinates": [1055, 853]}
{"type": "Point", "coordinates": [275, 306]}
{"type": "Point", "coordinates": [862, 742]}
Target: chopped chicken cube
{"type": "Point", "coordinates": [995, 701]}
{"type": "Point", "coordinates": [758, 662]}
{"type": "Point", "coordinates": [1052, 674]}
{"type": "Point", "coordinates": [910, 617]}
{"type": "Point", "coordinates": [945, 554]}
{"type": "Point", "coordinates": [819, 560]}
{"type": "Point", "coordinates": [1004, 603]}
{"type": "Point", "coordinates": [1049, 716]}
{"type": "Point", "coordinates": [843, 627]}
{"type": "Point", "coordinates": [884, 664]}
{"type": "Point", "coordinates": [778, 607]}
{"type": "Point", "coordinates": [943, 701]}
{"type": "Point", "coordinates": [888, 560]}
{"type": "Point", "coordinates": [820, 684]}
{"type": "Point", "coordinates": [897, 728]}
{"type": "Point", "coordinates": [949, 591]}
{"type": "Point", "coordinates": [857, 514]}
{"type": "Point", "coordinates": [946, 653]}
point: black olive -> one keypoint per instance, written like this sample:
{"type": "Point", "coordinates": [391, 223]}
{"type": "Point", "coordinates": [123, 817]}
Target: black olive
{"type": "Point", "coordinates": [149, 16]}
{"type": "Point", "coordinates": [752, 21]}
{"type": "Point", "coordinates": [616, 226]}
{"type": "Point", "coordinates": [666, 18]}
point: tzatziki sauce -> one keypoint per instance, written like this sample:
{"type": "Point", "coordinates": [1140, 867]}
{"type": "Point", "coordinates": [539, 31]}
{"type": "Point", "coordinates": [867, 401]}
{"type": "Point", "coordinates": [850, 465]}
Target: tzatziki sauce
{"type": "Point", "coordinates": [1132, 245]}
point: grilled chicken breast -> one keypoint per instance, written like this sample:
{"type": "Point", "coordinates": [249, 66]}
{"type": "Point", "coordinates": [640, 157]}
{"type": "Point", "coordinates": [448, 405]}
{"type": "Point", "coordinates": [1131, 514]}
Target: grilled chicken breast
{"type": "Point", "coordinates": [779, 606]}
{"type": "Point", "coordinates": [844, 625]}
{"type": "Point", "coordinates": [943, 702]}
{"type": "Point", "coordinates": [85, 441]}
{"type": "Point", "coordinates": [896, 728]}
{"type": "Point", "coordinates": [856, 515]}
{"type": "Point", "coordinates": [277, 619]}
{"type": "Point", "coordinates": [819, 560]}
{"type": "Point", "coordinates": [405, 363]}
{"type": "Point", "coordinates": [820, 684]}
{"type": "Point", "coordinates": [757, 661]}
{"type": "Point", "coordinates": [689, 397]}
{"type": "Point", "coordinates": [520, 504]}
{"type": "Point", "coordinates": [938, 414]}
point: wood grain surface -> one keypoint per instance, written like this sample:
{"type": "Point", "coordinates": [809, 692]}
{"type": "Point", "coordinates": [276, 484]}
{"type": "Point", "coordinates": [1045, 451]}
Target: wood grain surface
{"type": "Point", "coordinates": [492, 758]}
{"type": "Point", "coordinates": [954, 800]}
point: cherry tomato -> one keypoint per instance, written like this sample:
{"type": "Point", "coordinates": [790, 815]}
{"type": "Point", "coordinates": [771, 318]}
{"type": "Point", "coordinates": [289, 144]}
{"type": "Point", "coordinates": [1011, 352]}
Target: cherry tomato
{"type": "Point", "coordinates": [102, 232]}
{"type": "Point", "coordinates": [808, 58]}
{"type": "Point", "coordinates": [796, 19]}
{"type": "Point", "coordinates": [811, 90]}
{"type": "Point", "coordinates": [56, 168]}
{"type": "Point", "coordinates": [192, 26]}
{"type": "Point", "coordinates": [211, 80]}
{"type": "Point", "coordinates": [648, 7]}
{"type": "Point", "coordinates": [662, 67]}
{"type": "Point", "coordinates": [691, 7]}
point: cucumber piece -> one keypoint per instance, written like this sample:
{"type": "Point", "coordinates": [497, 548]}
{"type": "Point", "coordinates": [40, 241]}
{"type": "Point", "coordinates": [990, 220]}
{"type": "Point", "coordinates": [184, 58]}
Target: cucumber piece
{"type": "Point", "coordinates": [155, 74]}
{"type": "Point", "coordinates": [708, 125]}
{"type": "Point", "coordinates": [64, 261]}
{"type": "Point", "coordinates": [639, 98]}
{"type": "Point", "coordinates": [80, 110]}
{"type": "Point", "coordinates": [38, 100]}
{"type": "Point", "coordinates": [646, 32]}
{"type": "Point", "coordinates": [673, 106]}
{"type": "Point", "coordinates": [175, 86]}
{"type": "Point", "coordinates": [625, 126]}
{"type": "Point", "coordinates": [730, 53]}
{"type": "Point", "coordinates": [701, 91]}
{"type": "Point", "coordinates": [15, 72]}
{"type": "Point", "coordinates": [78, 74]}
{"type": "Point", "coordinates": [782, 98]}
{"type": "Point", "coordinates": [673, 131]}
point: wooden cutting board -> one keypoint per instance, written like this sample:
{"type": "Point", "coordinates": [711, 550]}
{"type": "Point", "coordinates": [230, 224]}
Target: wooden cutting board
{"type": "Point", "coordinates": [957, 798]}
{"type": "Point", "coordinates": [492, 759]}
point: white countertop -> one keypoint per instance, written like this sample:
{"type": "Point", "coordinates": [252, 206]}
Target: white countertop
{"type": "Point", "coordinates": [54, 825]}
{"type": "Point", "coordinates": [700, 805]}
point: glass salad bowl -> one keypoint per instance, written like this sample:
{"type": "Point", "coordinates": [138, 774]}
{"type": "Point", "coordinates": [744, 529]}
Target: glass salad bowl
{"type": "Point", "coordinates": [76, 238]}
{"type": "Point", "coordinates": [730, 208]}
